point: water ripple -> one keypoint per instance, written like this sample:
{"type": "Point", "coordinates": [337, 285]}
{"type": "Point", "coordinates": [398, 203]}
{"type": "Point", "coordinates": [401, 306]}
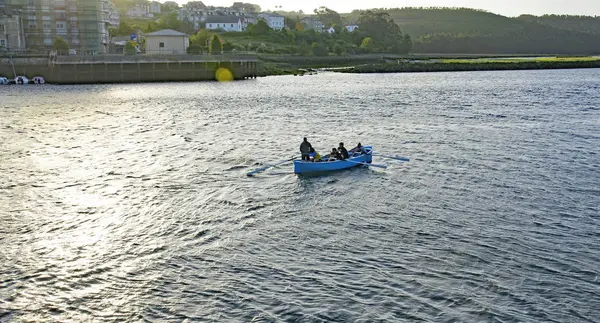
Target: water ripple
{"type": "Point", "coordinates": [129, 203]}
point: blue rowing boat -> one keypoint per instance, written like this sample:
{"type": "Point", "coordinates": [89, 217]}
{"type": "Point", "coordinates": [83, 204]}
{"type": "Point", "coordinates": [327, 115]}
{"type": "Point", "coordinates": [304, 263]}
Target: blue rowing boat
{"type": "Point", "coordinates": [307, 167]}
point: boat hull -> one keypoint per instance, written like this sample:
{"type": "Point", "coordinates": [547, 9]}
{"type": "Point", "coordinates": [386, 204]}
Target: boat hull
{"type": "Point", "coordinates": [307, 167]}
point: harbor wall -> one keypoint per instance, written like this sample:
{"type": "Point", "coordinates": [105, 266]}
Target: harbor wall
{"type": "Point", "coordinates": [121, 69]}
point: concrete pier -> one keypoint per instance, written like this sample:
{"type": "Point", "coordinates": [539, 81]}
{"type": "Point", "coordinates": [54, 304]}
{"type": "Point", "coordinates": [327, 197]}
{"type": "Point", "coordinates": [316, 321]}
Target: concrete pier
{"type": "Point", "coordinates": [129, 69]}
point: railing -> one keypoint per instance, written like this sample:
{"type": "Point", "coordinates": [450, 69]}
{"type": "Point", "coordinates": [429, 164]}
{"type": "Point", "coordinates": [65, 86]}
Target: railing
{"type": "Point", "coordinates": [89, 55]}
{"type": "Point", "coordinates": [141, 58]}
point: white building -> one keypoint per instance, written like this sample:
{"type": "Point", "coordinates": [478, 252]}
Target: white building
{"type": "Point", "coordinates": [196, 13]}
{"type": "Point", "coordinates": [331, 30]}
{"type": "Point", "coordinates": [138, 11]}
{"type": "Point", "coordinates": [11, 31]}
{"type": "Point", "coordinates": [275, 21]}
{"type": "Point", "coordinates": [312, 23]}
{"type": "Point", "coordinates": [249, 19]}
{"type": "Point", "coordinates": [227, 23]}
{"type": "Point", "coordinates": [351, 27]}
{"type": "Point", "coordinates": [114, 16]}
{"type": "Point", "coordinates": [167, 41]}
{"type": "Point", "coordinates": [154, 7]}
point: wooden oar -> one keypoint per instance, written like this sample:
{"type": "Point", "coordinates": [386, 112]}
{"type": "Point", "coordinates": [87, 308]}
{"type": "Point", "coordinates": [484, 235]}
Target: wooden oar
{"type": "Point", "coordinates": [264, 168]}
{"type": "Point", "coordinates": [392, 157]}
{"type": "Point", "coordinates": [367, 164]}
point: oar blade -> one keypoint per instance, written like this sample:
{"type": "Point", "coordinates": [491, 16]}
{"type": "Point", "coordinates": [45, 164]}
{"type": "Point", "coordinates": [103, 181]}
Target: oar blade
{"type": "Point", "coordinates": [404, 159]}
{"type": "Point", "coordinates": [264, 168]}
{"type": "Point", "coordinates": [367, 164]}
{"type": "Point", "coordinates": [377, 165]}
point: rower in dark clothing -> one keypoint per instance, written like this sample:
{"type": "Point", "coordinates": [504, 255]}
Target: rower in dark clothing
{"type": "Point", "coordinates": [357, 150]}
{"type": "Point", "coordinates": [305, 147]}
{"type": "Point", "coordinates": [343, 151]}
{"type": "Point", "coordinates": [333, 155]}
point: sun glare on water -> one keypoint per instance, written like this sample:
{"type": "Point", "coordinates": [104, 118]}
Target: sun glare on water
{"type": "Point", "coordinates": [223, 75]}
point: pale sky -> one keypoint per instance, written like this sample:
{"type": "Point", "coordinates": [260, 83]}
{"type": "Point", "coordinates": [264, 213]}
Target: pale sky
{"type": "Point", "coordinates": [503, 7]}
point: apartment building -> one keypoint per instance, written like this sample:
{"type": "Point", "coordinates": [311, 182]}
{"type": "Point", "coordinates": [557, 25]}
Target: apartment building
{"type": "Point", "coordinates": [83, 24]}
{"type": "Point", "coordinates": [11, 31]}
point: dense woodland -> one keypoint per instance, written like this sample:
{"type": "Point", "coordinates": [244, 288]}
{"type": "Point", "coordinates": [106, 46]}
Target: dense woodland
{"type": "Point", "coordinates": [462, 30]}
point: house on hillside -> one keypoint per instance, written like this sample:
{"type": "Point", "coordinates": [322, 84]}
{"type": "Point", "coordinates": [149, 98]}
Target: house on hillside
{"type": "Point", "coordinates": [195, 5]}
{"type": "Point", "coordinates": [138, 11]}
{"type": "Point", "coordinates": [114, 15]}
{"type": "Point", "coordinates": [154, 7]}
{"type": "Point", "coordinates": [249, 19]}
{"type": "Point", "coordinates": [167, 41]}
{"type": "Point", "coordinates": [331, 30]}
{"type": "Point", "coordinates": [227, 23]}
{"type": "Point", "coordinates": [351, 27]}
{"type": "Point", "coordinates": [312, 23]}
{"type": "Point", "coordinates": [274, 20]}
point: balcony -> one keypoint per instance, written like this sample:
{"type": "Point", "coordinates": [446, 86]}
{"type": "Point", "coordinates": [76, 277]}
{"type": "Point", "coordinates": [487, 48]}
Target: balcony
{"type": "Point", "coordinates": [59, 4]}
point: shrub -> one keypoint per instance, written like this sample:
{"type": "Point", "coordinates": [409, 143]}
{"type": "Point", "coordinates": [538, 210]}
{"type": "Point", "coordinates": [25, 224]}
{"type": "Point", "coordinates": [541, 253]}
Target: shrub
{"type": "Point", "coordinates": [129, 48]}
{"type": "Point", "coordinates": [216, 47]}
{"type": "Point", "coordinates": [60, 45]}
{"type": "Point", "coordinates": [318, 49]}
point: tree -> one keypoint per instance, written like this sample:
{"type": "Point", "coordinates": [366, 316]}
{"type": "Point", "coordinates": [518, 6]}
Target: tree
{"type": "Point", "coordinates": [195, 49]}
{"type": "Point", "coordinates": [318, 49]}
{"type": "Point", "coordinates": [201, 37]}
{"type": "Point", "coordinates": [60, 45]}
{"type": "Point", "coordinates": [169, 6]}
{"type": "Point", "coordinates": [381, 28]}
{"type": "Point", "coordinates": [227, 47]}
{"type": "Point", "coordinates": [290, 23]}
{"type": "Point", "coordinates": [129, 48]}
{"type": "Point", "coordinates": [247, 7]}
{"type": "Point", "coordinates": [124, 29]}
{"type": "Point", "coordinates": [406, 44]}
{"type": "Point", "coordinates": [367, 44]}
{"type": "Point", "coordinates": [261, 27]}
{"type": "Point", "coordinates": [216, 47]}
{"type": "Point", "coordinates": [339, 50]}
{"type": "Point", "coordinates": [328, 17]}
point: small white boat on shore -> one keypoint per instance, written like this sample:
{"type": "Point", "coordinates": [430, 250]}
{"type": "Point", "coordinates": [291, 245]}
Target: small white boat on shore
{"type": "Point", "coordinates": [3, 81]}
{"type": "Point", "coordinates": [38, 80]}
{"type": "Point", "coordinates": [21, 80]}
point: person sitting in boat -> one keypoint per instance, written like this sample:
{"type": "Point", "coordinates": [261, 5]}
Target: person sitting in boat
{"type": "Point", "coordinates": [333, 155]}
{"type": "Point", "coordinates": [342, 150]}
{"type": "Point", "coordinates": [305, 147]}
{"type": "Point", "coordinates": [358, 150]}
{"type": "Point", "coordinates": [314, 155]}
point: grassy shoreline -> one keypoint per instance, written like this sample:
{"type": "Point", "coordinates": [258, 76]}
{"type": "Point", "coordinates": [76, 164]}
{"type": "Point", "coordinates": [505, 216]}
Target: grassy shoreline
{"type": "Point", "coordinates": [281, 65]}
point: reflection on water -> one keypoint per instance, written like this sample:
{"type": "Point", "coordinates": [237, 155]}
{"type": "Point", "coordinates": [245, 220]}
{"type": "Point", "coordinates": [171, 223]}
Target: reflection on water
{"type": "Point", "coordinates": [130, 202]}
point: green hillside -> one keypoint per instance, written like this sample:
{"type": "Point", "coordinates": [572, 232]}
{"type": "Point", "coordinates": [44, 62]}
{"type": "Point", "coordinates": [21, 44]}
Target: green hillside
{"type": "Point", "coordinates": [463, 30]}
{"type": "Point", "coordinates": [419, 22]}
{"type": "Point", "coordinates": [585, 24]}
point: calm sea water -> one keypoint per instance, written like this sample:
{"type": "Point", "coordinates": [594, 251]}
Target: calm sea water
{"type": "Point", "coordinates": [129, 203]}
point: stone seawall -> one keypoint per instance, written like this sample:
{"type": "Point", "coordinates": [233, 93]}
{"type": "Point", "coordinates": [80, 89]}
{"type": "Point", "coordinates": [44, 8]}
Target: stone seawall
{"type": "Point", "coordinates": [102, 69]}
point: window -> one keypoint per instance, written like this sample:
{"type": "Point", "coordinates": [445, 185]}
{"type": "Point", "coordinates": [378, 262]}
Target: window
{"type": "Point", "coordinates": [1, 27]}
{"type": "Point", "coordinates": [231, 25]}
{"type": "Point", "coordinates": [46, 26]}
{"type": "Point", "coordinates": [32, 25]}
{"type": "Point", "coordinates": [60, 25]}
{"type": "Point", "coordinates": [161, 45]}
{"type": "Point", "coordinates": [2, 42]}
